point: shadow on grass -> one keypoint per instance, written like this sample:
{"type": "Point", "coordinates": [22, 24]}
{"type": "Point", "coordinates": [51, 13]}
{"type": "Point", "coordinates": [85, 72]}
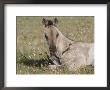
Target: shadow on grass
{"type": "Point", "coordinates": [32, 62]}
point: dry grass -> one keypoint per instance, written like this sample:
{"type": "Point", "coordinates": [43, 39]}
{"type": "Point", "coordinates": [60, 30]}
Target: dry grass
{"type": "Point", "coordinates": [32, 50]}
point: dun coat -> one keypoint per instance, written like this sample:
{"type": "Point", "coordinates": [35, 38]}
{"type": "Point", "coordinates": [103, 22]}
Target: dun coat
{"type": "Point", "coordinates": [66, 52]}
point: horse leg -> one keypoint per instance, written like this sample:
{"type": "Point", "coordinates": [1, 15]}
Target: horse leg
{"type": "Point", "coordinates": [80, 61]}
{"type": "Point", "coordinates": [56, 63]}
{"type": "Point", "coordinates": [55, 60]}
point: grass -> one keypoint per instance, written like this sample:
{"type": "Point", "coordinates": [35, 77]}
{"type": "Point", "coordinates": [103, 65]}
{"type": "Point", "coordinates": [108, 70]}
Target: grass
{"type": "Point", "coordinates": [32, 55]}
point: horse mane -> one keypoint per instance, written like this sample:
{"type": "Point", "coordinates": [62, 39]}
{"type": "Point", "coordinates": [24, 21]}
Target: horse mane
{"type": "Point", "coordinates": [50, 23]}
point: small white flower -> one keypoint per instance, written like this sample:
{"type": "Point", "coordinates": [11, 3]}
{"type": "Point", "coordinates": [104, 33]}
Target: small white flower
{"type": "Point", "coordinates": [34, 54]}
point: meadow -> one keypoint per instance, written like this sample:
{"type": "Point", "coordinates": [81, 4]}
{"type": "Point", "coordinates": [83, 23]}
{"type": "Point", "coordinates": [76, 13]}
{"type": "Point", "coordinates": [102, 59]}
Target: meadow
{"type": "Point", "coordinates": [32, 54]}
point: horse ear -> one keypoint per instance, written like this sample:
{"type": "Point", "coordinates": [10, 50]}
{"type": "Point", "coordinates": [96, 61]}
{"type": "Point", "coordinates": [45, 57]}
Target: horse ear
{"type": "Point", "coordinates": [56, 21]}
{"type": "Point", "coordinates": [44, 21]}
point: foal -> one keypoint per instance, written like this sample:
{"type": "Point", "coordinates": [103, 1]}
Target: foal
{"type": "Point", "coordinates": [65, 52]}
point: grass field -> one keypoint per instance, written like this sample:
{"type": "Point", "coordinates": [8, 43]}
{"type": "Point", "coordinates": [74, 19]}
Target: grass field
{"type": "Point", "coordinates": [32, 55]}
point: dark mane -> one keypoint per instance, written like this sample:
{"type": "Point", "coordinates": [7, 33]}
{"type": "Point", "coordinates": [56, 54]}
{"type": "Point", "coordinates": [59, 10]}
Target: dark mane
{"type": "Point", "coordinates": [50, 23]}
{"type": "Point", "coordinates": [47, 22]}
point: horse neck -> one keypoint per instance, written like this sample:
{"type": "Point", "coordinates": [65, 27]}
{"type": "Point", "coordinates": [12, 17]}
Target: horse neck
{"type": "Point", "coordinates": [63, 42]}
{"type": "Point", "coordinates": [67, 40]}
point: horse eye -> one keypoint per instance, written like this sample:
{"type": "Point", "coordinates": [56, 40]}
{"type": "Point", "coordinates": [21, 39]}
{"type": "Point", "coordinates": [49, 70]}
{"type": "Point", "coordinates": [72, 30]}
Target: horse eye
{"type": "Point", "coordinates": [57, 35]}
{"type": "Point", "coordinates": [46, 37]}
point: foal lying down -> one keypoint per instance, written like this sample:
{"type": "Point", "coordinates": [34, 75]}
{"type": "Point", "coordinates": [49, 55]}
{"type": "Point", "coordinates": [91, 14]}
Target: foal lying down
{"type": "Point", "coordinates": [65, 52]}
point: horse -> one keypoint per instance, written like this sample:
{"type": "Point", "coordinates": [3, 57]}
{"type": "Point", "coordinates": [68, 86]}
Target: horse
{"type": "Point", "coordinates": [64, 51]}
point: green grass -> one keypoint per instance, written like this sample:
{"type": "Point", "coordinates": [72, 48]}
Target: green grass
{"type": "Point", "coordinates": [32, 55]}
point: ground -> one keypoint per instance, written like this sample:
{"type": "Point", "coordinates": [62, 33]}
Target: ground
{"type": "Point", "coordinates": [32, 55]}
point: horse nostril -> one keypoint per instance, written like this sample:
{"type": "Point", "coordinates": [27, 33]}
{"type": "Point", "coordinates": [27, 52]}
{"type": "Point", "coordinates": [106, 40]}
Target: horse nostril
{"type": "Point", "coordinates": [53, 49]}
{"type": "Point", "coordinates": [50, 49]}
